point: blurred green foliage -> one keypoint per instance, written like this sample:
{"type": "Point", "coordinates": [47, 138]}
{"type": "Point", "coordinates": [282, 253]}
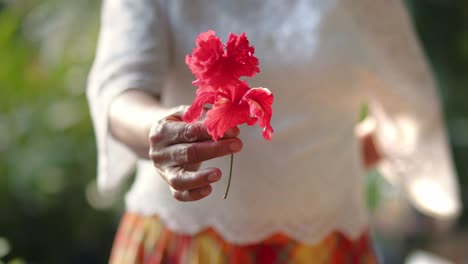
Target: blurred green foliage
{"type": "Point", "coordinates": [443, 30]}
{"type": "Point", "coordinates": [47, 150]}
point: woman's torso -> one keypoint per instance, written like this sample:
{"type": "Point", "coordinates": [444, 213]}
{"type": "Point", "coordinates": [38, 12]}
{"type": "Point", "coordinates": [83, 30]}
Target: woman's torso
{"type": "Point", "coordinates": [307, 181]}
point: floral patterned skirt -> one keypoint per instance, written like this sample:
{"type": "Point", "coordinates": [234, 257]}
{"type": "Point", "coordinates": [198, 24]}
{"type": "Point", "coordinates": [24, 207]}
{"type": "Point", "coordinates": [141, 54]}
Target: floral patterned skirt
{"type": "Point", "coordinates": [145, 240]}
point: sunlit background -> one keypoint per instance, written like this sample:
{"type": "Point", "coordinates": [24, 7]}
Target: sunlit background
{"type": "Point", "coordinates": [50, 211]}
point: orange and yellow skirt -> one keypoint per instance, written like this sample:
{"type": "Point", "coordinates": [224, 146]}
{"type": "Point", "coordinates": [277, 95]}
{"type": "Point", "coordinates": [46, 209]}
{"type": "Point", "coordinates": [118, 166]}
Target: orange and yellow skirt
{"type": "Point", "coordinates": [145, 240]}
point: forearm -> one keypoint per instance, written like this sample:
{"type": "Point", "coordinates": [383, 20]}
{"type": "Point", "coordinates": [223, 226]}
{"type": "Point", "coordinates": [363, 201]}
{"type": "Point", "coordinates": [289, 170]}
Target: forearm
{"type": "Point", "coordinates": [131, 115]}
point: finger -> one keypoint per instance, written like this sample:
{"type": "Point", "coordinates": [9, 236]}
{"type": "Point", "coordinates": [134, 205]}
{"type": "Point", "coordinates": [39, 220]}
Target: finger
{"type": "Point", "coordinates": [192, 195]}
{"type": "Point", "coordinates": [189, 132]}
{"type": "Point", "coordinates": [187, 180]}
{"type": "Point", "coordinates": [165, 127]}
{"type": "Point", "coordinates": [191, 167]}
{"type": "Point", "coordinates": [197, 152]}
{"type": "Point", "coordinates": [232, 132]}
{"type": "Point", "coordinates": [193, 132]}
{"type": "Point", "coordinates": [170, 131]}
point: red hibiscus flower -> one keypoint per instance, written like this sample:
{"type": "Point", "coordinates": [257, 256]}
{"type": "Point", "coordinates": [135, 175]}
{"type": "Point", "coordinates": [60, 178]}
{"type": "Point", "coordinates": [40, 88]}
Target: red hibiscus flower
{"type": "Point", "coordinates": [239, 57]}
{"type": "Point", "coordinates": [217, 65]}
{"type": "Point", "coordinates": [217, 69]}
{"type": "Point", "coordinates": [234, 105]}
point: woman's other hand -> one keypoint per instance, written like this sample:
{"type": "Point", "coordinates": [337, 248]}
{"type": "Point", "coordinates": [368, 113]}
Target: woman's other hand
{"type": "Point", "coordinates": [365, 133]}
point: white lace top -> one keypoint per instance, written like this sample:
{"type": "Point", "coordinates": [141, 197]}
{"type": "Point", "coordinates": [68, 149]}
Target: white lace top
{"type": "Point", "coordinates": [322, 59]}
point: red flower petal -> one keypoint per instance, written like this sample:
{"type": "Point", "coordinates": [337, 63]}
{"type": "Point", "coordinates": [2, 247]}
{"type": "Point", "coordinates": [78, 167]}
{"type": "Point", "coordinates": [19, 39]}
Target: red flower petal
{"type": "Point", "coordinates": [213, 65]}
{"type": "Point", "coordinates": [203, 96]}
{"type": "Point", "coordinates": [260, 101]}
{"type": "Point", "coordinates": [240, 55]}
{"type": "Point", "coordinates": [217, 71]}
{"type": "Point", "coordinates": [235, 91]}
{"type": "Point", "coordinates": [206, 56]}
{"type": "Point", "coordinates": [225, 115]}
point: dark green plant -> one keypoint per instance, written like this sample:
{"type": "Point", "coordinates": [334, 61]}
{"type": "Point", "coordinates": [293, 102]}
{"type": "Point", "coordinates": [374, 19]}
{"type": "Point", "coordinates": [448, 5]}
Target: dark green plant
{"type": "Point", "coordinates": [47, 147]}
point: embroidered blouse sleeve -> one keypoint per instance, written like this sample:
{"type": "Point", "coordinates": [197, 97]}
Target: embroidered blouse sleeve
{"type": "Point", "coordinates": [131, 54]}
{"type": "Point", "coordinates": [404, 103]}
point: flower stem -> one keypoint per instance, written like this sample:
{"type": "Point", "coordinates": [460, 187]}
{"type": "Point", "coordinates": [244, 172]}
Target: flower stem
{"type": "Point", "coordinates": [229, 180]}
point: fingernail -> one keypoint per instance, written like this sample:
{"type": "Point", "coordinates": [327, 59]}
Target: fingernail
{"type": "Point", "coordinates": [236, 145]}
{"type": "Point", "coordinates": [213, 177]}
{"type": "Point", "coordinates": [205, 191]}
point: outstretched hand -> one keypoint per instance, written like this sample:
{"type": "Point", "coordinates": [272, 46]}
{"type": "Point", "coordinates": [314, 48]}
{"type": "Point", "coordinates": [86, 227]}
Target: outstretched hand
{"type": "Point", "coordinates": [177, 150]}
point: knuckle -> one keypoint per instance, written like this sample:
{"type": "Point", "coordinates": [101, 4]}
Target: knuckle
{"type": "Point", "coordinates": [192, 153]}
{"type": "Point", "coordinates": [178, 195]}
{"type": "Point", "coordinates": [176, 182]}
{"type": "Point", "coordinates": [194, 132]}
{"type": "Point", "coordinates": [156, 156]}
{"type": "Point", "coordinates": [182, 196]}
{"type": "Point", "coordinates": [156, 139]}
{"type": "Point", "coordinates": [158, 132]}
{"type": "Point", "coordinates": [181, 154]}
{"type": "Point", "coordinates": [190, 133]}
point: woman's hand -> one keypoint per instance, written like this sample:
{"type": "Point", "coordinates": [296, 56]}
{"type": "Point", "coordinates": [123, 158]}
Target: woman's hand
{"type": "Point", "coordinates": [177, 150]}
{"type": "Point", "coordinates": [365, 134]}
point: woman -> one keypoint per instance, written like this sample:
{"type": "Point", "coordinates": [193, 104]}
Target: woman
{"type": "Point", "coordinates": [298, 198]}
